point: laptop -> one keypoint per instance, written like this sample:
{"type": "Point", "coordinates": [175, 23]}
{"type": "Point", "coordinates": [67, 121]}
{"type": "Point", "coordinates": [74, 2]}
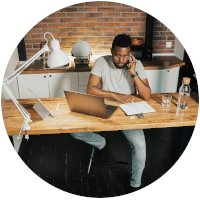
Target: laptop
{"type": "Point", "coordinates": [89, 104]}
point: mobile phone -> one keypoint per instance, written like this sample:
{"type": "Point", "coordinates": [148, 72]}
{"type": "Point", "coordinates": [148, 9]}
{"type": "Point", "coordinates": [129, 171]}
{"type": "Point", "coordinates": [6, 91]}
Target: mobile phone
{"type": "Point", "coordinates": [129, 57]}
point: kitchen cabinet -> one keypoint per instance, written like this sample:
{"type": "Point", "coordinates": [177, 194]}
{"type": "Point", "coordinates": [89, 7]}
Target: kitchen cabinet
{"type": "Point", "coordinates": [163, 80]}
{"type": "Point", "coordinates": [160, 80]}
{"type": "Point", "coordinates": [83, 78]}
{"type": "Point", "coordinates": [171, 80]}
{"type": "Point", "coordinates": [47, 85]}
{"type": "Point", "coordinates": [37, 83]}
{"type": "Point", "coordinates": [82, 89]}
{"type": "Point", "coordinates": [155, 78]}
{"type": "Point", "coordinates": [162, 73]}
{"type": "Point", "coordinates": [58, 82]}
{"type": "Point", "coordinates": [53, 84]}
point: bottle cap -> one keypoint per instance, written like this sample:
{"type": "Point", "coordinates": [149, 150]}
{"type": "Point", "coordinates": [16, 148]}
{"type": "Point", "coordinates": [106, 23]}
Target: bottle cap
{"type": "Point", "coordinates": [186, 80]}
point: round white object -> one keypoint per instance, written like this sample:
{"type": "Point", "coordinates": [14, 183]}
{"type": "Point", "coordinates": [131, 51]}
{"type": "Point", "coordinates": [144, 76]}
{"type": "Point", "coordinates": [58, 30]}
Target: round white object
{"type": "Point", "coordinates": [81, 49]}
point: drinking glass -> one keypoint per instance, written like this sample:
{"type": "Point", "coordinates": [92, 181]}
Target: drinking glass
{"type": "Point", "coordinates": [166, 100]}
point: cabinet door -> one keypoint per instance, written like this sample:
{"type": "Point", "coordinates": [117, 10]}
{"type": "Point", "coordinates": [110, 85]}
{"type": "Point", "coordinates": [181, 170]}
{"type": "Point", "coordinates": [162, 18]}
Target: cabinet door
{"type": "Point", "coordinates": [83, 78]}
{"type": "Point", "coordinates": [82, 89]}
{"type": "Point", "coordinates": [156, 80]}
{"type": "Point", "coordinates": [37, 83]}
{"type": "Point", "coordinates": [58, 82]}
{"type": "Point", "coordinates": [171, 80]}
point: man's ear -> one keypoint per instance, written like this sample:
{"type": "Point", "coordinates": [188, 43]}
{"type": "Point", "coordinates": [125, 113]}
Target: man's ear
{"type": "Point", "coordinates": [111, 50]}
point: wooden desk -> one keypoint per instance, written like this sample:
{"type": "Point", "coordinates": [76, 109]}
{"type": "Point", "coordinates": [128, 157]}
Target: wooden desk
{"type": "Point", "coordinates": [69, 122]}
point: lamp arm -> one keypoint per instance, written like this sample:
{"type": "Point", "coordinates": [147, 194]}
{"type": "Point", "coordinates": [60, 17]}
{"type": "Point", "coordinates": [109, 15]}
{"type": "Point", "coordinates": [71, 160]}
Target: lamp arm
{"type": "Point", "coordinates": [24, 112]}
{"type": "Point", "coordinates": [20, 107]}
{"type": "Point", "coordinates": [10, 78]}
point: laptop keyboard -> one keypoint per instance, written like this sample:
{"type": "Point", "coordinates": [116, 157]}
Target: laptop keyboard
{"type": "Point", "coordinates": [109, 112]}
{"type": "Point", "coordinates": [110, 109]}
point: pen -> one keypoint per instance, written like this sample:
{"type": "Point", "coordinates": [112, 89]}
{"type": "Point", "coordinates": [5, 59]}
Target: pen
{"type": "Point", "coordinates": [57, 107]}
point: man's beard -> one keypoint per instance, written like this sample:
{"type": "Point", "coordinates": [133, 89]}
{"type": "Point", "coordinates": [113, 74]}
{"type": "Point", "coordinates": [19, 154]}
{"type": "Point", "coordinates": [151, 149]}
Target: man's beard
{"type": "Point", "coordinates": [125, 65]}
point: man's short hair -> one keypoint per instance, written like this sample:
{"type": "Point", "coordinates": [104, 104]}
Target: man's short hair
{"type": "Point", "coordinates": [122, 40]}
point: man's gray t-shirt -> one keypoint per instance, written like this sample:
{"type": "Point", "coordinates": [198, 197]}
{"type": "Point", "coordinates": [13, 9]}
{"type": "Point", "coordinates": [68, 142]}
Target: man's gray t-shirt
{"type": "Point", "coordinates": [114, 79]}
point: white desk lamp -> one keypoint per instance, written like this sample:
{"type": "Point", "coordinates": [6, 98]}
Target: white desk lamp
{"type": "Point", "coordinates": [56, 58]}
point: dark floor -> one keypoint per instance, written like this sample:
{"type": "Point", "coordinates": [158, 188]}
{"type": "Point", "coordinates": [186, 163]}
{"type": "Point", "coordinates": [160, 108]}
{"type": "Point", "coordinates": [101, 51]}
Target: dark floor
{"type": "Point", "coordinates": [62, 161]}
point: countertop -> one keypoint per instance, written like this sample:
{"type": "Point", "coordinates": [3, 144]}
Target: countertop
{"type": "Point", "coordinates": [158, 62]}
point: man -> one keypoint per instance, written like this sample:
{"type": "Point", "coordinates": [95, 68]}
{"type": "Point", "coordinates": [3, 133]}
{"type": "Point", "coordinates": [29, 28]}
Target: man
{"type": "Point", "coordinates": [119, 75]}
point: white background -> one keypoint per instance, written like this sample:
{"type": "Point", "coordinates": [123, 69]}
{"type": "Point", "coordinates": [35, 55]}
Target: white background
{"type": "Point", "coordinates": [17, 181]}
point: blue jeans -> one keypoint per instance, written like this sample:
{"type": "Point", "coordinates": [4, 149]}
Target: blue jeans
{"type": "Point", "coordinates": [136, 140]}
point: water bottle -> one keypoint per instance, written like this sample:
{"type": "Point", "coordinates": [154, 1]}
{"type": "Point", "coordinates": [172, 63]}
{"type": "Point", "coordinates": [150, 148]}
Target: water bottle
{"type": "Point", "coordinates": [184, 94]}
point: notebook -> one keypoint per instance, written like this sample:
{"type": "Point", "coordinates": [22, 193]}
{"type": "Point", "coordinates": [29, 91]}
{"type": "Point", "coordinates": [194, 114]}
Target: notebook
{"type": "Point", "coordinates": [89, 104]}
{"type": "Point", "coordinates": [141, 107]}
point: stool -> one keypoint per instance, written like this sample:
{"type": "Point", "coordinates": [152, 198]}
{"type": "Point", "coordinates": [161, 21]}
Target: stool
{"type": "Point", "coordinates": [113, 161]}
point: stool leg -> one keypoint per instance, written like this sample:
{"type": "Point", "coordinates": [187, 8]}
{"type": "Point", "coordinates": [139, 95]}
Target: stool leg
{"type": "Point", "coordinates": [91, 157]}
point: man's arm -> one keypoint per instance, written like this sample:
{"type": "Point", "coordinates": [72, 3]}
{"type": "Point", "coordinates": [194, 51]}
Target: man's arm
{"type": "Point", "coordinates": [93, 89]}
{"type": "Point", "coordinates": [142, 85]}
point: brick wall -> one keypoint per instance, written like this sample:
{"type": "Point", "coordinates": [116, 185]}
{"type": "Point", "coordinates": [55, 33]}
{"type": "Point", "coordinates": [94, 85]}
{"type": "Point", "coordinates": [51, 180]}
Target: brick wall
{"type": "Point", "coordinates": [161, 35]}
{"type": "Point", "coordinates": [97, 23]}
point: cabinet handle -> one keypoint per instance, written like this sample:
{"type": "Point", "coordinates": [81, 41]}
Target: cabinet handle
{"type": "Point", "coordinates": [44, 76]}
{"type": "Point", "coordinates": [49, 75]}
{"type": "Point", "coordinates": [167, 70]}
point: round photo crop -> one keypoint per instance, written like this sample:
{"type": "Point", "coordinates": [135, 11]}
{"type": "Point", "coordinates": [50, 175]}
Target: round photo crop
{"type": "Point", "coordinates": [100, 99]}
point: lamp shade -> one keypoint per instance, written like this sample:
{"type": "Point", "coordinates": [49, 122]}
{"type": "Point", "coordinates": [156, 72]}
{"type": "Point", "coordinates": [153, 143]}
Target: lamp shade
{"type": "Point", "coordinates": [57, 57]}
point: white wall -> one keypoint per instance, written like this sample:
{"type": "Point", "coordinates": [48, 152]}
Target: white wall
{"type": "Point", "coordinates": [13, 86]}
{"type": "Point", "coordinates": [179, 49]}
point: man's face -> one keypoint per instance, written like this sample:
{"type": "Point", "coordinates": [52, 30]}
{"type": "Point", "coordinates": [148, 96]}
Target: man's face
{"type": "Point", "coordinates": [120, 56]}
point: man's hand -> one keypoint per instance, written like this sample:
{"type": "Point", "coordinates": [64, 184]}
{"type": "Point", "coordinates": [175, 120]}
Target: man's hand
{"type": "Point", "coordinates": [122, 98]}
{"type": "Point", "coordinates": [131, 65]}
{"type": "Point", "coordinates": [93, 89]}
